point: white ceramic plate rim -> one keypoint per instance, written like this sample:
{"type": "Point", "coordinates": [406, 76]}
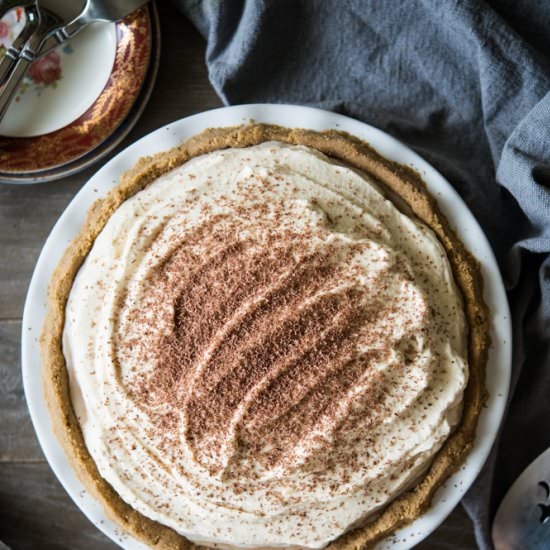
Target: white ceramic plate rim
{"type": "Point", "coordinates": [70, 222]}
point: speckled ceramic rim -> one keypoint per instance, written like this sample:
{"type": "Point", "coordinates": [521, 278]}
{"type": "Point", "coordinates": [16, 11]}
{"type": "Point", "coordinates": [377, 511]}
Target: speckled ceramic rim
{"type": "Point", "coordinates": [119, 132]}
{"type": "Point", "coordinates": [498, 367]}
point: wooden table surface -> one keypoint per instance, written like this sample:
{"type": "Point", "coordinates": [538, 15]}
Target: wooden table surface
{"type": "Point", "coordinates": [35, 512]}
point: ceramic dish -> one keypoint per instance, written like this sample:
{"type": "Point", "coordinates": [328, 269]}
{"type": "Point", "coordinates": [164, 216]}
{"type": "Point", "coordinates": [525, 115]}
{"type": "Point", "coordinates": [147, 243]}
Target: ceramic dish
{"type": "Point", "coordinates": [498, 369]}
{"type": "Point", "coordinates": [63, 84]}
{"type": "Point", "coordinates": [75, 108]}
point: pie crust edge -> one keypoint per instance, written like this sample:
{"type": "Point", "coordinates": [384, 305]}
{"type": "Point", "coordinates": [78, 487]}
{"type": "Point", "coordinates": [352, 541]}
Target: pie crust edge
{"type": "Point", "coordinates": [399, 179]}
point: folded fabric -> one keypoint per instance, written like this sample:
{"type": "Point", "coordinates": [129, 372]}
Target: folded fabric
{"type": "Point", "coordinates": [464, 83]}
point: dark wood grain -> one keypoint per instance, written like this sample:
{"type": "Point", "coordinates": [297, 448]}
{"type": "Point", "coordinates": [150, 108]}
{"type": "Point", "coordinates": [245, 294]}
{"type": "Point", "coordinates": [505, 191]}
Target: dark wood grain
{"type": "Point", "coordinates": [17, 440]}
{"type": "Point", "coordinates": [35, 512]}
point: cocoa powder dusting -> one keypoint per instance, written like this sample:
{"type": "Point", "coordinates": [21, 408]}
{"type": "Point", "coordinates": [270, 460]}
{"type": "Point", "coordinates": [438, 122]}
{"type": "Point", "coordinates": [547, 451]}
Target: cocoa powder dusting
{"type": "Point", "coordinates": [262, 348]}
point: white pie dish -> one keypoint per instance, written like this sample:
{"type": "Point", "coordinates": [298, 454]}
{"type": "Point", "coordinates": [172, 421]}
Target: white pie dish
{"type": "Point", "coordinates": [457, 213]}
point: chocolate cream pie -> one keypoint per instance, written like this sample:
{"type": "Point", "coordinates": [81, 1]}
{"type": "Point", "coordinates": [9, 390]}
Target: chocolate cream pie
{"type": "Point", "coordinates": [266, 337]}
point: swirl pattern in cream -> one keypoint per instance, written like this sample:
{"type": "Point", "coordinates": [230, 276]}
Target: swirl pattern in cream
{"type": "Point", "coordinates": [263, 349]}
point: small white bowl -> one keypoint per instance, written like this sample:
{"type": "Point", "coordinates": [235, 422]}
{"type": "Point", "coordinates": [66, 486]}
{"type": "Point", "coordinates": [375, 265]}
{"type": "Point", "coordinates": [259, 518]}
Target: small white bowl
{"type": "Point", "coordinates": [70, 222]}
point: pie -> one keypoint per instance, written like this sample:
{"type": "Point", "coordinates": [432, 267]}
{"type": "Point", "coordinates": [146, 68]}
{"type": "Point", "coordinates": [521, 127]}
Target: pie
{"type": "Point", "coordinates": [266, 337]}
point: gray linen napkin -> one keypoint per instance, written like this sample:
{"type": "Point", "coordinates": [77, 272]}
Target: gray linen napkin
{"type": "Point", "coordinates": [466, 84]}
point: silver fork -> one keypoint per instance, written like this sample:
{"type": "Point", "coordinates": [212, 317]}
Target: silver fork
{"type": "Point", "coordinates": [52, 15]}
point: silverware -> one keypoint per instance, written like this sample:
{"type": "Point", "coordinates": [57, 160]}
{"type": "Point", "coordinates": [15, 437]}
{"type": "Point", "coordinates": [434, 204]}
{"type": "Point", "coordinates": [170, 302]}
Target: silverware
{"type": "Point", "coordinates": [523, 517]}
{"type": "Point", "coordinates": [12, 53]}
{"type": "Point", "coordinates": [93, 10]}
{"type": "Point", "coordinates": [52, 15]}
{"type": "Point", "coordinates": [102, 10]}
{"type": "Point", "coordinates": [8, 5]}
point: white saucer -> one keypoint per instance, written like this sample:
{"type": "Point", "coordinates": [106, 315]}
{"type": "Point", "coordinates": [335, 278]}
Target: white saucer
{"type": "Point", "coordinates": [498, 374]}
{"type": "Point", "coordinates": [84, 64]}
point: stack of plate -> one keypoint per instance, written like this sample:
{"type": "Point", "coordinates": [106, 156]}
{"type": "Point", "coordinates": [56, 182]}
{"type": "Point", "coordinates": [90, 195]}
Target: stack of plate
{"type": "Point", "coordinates": [78, 102]}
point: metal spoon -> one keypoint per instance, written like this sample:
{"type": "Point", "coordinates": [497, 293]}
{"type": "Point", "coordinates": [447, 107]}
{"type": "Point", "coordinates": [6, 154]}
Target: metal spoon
{"type": "Point", "coordinates": [523, 518]}
{"type": "Point", "coordinates": [107, 11]}
{"type": "Point", "coordinates": [102, 10]}
{"type": "Point", "coordinates": [53, 14]}
{"type": "Point", "coordinates": [94, 10]}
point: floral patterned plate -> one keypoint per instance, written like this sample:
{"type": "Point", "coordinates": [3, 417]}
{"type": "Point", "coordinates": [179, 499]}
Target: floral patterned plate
{"type": "Point", "coordinates": [80, 100]}
{"type": "Point", "coordinates": [63, 84]}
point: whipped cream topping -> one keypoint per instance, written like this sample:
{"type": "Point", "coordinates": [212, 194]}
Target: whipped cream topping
{"type": "Point", "coordinates": [263, 350]}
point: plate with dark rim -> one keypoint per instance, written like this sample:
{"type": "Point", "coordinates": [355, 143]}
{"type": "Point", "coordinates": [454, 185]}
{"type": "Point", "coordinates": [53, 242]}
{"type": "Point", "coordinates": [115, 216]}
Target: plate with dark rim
{"type": "Point", "coordinates": [61, 121]}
